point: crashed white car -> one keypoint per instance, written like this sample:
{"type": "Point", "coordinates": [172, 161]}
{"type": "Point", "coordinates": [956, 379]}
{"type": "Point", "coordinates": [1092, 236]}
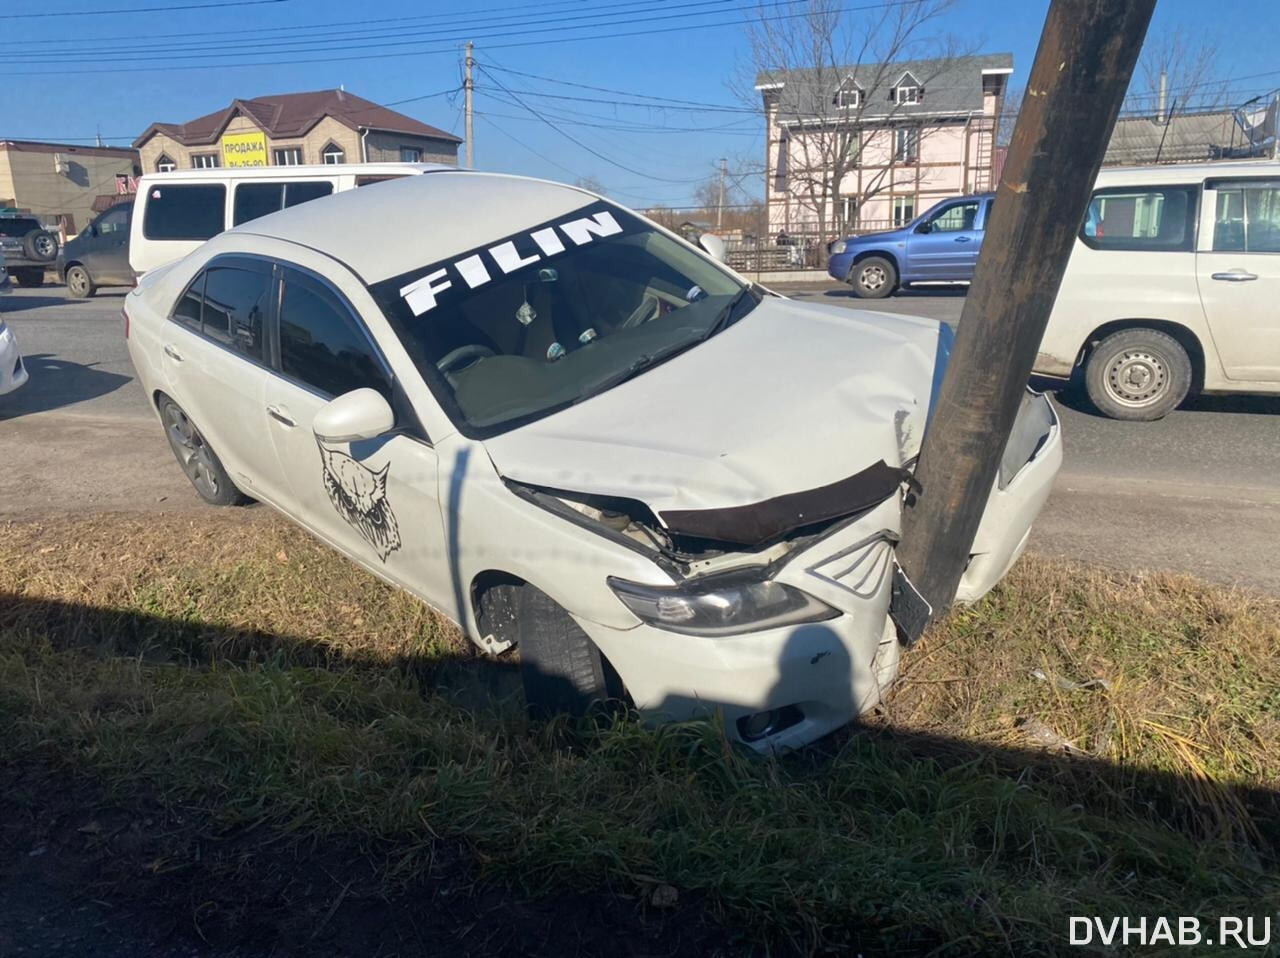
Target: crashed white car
{"type": "Point", "coordinates": [573, 432]}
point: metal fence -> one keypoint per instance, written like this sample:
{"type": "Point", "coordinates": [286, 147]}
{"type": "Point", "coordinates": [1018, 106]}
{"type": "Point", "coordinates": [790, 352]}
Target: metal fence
{"type": "Point", "coordinates": [786, 249]}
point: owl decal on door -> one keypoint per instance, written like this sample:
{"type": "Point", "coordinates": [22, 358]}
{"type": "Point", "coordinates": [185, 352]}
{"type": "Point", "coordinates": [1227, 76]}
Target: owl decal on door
{"type": "Point", "coordinates": [360, 496]}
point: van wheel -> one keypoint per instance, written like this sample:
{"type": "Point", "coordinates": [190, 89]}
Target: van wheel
{"type": "Point", "coordinates": [1137, 374]}
{"type": "Point", "coordinates": [79, 283]}
{"type": "Point", "coordinates": [197, 458]}
{"type": "Point", "coordinates": [873, 278]}
{"type": "Point", "coordinates": [563, 671]}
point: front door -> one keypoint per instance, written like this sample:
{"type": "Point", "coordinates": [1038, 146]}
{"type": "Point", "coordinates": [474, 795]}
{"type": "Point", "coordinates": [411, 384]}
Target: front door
{"type": "Point", "coordinates": [107, 256]}
{"type": "Point", "coordinates": [374, 499]}
{"type": "Point", "coordinates": [948, 249]}
{"type": "Point", "coordinates": [1238, 272]}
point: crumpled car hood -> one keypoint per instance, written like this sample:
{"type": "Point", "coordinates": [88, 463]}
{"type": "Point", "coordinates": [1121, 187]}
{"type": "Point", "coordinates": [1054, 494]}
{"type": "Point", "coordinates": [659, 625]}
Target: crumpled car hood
{"type": "Point", "coordinates": [793, 397]}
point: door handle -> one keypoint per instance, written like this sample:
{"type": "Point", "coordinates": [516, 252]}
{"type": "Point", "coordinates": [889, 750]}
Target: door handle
{"type": "Point", "coordinates": [172, 353]}
{"type": "Point", "coordinates": [1235, 276]}
{"type": "Point", "coordinates": [963, 239]}
{"type": "Point", "coordinates": [275, 413]}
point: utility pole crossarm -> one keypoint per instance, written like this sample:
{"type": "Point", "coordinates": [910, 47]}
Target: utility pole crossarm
{"type": "Point", "coordinates": [1082, 69]}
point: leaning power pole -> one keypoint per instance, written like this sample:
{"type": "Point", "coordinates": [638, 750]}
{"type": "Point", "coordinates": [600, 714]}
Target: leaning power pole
{"type": "Point", "coordinates": [468, 86]}
{"type": "Point", "coordinates": [1082, 68]}
{"type": "Point", "coordinates": [724, 171]}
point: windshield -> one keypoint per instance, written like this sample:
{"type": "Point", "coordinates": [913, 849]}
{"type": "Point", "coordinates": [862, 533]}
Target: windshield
{"type": "Point", "coordinates": [555, 314]}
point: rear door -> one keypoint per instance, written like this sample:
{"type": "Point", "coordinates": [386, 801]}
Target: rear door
{"type": "Point", "coordinates": [106, 256]}
{"type": "Point", "coordinates": [949, 249]}
{"type": "Point", "coordinates": [376, 499]}
{"type": "Point", "coordinates": [1238, 272]}
{"type": "Point", "coordinates": [215, 356]}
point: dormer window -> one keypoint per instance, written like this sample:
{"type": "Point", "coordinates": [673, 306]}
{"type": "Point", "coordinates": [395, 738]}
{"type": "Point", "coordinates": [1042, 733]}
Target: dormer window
{"type": "Point", "coordinates": [848, 94]}
{"type": "Point", "coordinates": [164, 164]}
{"type": "Point", "coordinates": [907, 91]}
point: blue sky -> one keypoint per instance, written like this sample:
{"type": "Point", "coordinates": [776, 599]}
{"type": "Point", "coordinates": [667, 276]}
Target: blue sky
{"type": "Point", "coordinates": [381, 51]}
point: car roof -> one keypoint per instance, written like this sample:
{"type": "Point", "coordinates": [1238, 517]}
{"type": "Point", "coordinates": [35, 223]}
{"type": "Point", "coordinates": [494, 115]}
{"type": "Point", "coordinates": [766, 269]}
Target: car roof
{"type": "Point", "coordinates": [291, 172]}
{"type": "Point", "coordinates": [389, 228]}
{"type": "Point", "coordinates": [1184, 172]}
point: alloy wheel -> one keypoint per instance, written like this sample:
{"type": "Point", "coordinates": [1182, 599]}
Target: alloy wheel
{"type": "Point", "coordinates": [192, 451]}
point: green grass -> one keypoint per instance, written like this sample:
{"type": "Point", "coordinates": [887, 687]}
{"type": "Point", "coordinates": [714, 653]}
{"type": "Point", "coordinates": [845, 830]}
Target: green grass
{"type": "Point", "coordinates": [234, 666]}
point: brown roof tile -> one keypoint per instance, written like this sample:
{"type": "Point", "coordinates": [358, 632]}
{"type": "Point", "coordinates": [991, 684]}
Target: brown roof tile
{"type": "Point", "coordinates": [293, 114]}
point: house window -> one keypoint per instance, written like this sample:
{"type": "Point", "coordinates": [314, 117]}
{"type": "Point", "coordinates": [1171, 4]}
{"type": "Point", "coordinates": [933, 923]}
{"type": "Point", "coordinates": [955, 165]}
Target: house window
{"type": "Point", "coordinates": [852, 207]}
{"type": "Point", "coordinates": [904, 210]}
{"type": "Point", "coordinates": [205, 161]}
{"type": "Point", "coordinates": [908, 95]}
{"type": "Point", "coordinates": [848, 94]}
{"type": "Point", "coordinates": [410, 154]}
{"type": "Point", "coordinates": [164, 164]}
{"type": "Point", "coordinates": [287, 156]}
{"type": "Point", "coordinates": [332, 153]}
{"type": "Point", "coordinates": [906, 144]}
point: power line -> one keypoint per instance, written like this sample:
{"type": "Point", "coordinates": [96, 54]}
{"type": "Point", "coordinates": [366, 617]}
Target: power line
{"type": "Point", "coordinates": [99, 13]}
{"type": "Point", "coordinates": [573, 139]}
{"type": "Point", "coordinates": [437, 51]}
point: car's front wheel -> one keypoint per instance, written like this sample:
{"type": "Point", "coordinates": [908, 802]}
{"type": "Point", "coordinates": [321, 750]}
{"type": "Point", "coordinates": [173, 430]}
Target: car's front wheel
{"type": "Point", "coordinates": [873, 278]}
{"type": "Point", "coordinates": [1138, 374]}
{"type": "Point", "coordinates": [197, 458]}
{"type": "Point", "coordinates": [79, 283]}
{"type": "Point", "coordinates": [562, 670]}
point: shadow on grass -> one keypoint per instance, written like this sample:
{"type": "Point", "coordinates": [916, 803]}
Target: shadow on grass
{"type": "Point", "coordinates": [263, 791]}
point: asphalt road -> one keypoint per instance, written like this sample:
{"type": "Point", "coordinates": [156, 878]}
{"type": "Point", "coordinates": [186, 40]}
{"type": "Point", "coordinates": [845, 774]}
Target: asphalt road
{"type": "Point", "coordinates": [1197, 492]}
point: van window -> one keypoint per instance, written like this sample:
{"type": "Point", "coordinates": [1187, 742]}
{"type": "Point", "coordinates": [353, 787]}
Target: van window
{"type": "Point", "coordinates": [1152, 219]}
{"type": "Point", "coordinates": [259, 199]}
{"type": "Point", "coordinates": [321, 343]}
{"type": "Point", "coordinates": [185, 211]}
{"type": "Point", "coordinates": [1247, 218]}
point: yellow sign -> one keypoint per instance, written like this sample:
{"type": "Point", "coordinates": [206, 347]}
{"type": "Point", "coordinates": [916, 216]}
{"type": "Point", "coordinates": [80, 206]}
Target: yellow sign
{"type": "Point", "coordinates": [244, 149]}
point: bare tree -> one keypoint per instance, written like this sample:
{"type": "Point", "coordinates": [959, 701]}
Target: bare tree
{"type": "Point", "coordinates": [590, 183]}
{"type": "Point", "coordinates": [829, 116]}
{"type": "Point", "coordinates": [1176, 74]}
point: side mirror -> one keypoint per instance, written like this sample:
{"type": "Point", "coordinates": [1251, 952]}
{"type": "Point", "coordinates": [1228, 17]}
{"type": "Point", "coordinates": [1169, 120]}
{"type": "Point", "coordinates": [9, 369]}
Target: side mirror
{"type": "Point", "coordinates": [924, 228]}
{"type": "Point", "coordinates": [359, 414]}
{"type": "Point", "coordinates": [713, 244]}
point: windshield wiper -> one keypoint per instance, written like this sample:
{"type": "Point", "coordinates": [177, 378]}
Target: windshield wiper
{"type": "Point", "coordinates": [722, 318]}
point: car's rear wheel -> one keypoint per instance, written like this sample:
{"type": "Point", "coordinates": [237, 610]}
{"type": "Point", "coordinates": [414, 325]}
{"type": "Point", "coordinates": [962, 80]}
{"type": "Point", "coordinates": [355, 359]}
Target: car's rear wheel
{"type": "Point", "coordinates": [80, 283]}
{"type": "Point", "coordinates": [562, 670]}
{"type": "Point", "coordinates": [873, 278]}
{"type": "Point", "coordinates": [28, 277]}
{"type": "Point", "coordinates": [197, 458]}
{"type": "Point", "coordinates": [1138, 374]}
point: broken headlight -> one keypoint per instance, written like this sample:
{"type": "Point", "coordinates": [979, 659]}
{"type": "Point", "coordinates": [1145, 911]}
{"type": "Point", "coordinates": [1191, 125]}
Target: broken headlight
{"type": "Point", "coordinates": [721, 605]}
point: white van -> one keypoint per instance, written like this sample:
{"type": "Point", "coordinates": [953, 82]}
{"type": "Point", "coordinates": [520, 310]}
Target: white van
{"type": "Point", "coordinates": [1172, 288]}
{"type": "Point", "coordinates": [175, 212]}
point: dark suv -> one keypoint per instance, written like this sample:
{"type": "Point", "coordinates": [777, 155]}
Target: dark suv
{"type": "Point", "coordinates": [99, 256]}
{"type": "Point", "coordinates": [29, 249]}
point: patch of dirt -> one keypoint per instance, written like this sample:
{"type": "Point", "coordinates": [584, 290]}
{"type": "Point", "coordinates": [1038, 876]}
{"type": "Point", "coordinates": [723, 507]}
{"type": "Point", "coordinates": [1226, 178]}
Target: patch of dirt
{"type": "Point", "coordinates": [83, 875]}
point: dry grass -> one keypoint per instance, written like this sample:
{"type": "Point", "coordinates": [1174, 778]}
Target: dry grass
{"type": "Point", "coordinates": [230, 661]}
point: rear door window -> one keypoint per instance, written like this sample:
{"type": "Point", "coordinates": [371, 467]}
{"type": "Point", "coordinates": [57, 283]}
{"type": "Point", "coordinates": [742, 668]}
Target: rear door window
{"type": "Point", "coordinates": [1147, 219]}
{"type": "Point", "coordinates": [17, 226]}
{"type": "Point", "coordinates": [1247, 216]}
{"type": "Point", "coordinates": [258, 199]}
{"type": "Point", "coordinates": [185, 211]}
{"type": "Point", "coordinates": [323, 345]}
{"type": "Point", "coordinates": [228, 303]}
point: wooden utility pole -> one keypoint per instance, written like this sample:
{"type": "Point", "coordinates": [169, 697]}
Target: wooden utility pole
{"type": "Point", "coordinates": [724, 171]}
{"type": "Point", "coordinates": [468, 87]}
{"type": "Point", "coordinates": [1082, 68]}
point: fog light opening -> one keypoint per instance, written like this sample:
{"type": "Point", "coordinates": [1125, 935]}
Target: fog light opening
{"type": "Point", "coordinates": [761, 725]}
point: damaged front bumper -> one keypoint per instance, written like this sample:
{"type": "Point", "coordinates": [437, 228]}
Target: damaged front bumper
{"type": "Point", "coordinates": [785, 687]}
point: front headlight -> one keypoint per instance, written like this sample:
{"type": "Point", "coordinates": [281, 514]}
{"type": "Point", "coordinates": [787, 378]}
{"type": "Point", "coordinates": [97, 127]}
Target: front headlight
{"type": "Point", "coordinates": [721, 605]}
{"type": "Point", "coordinates": [839, 246]}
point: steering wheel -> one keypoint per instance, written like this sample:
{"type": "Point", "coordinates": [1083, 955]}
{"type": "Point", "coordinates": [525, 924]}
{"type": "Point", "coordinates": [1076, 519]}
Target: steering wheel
{"type": "Point", "coordinates": [460, 357]}
{"type": "Point", "coordinates": [649, 309]}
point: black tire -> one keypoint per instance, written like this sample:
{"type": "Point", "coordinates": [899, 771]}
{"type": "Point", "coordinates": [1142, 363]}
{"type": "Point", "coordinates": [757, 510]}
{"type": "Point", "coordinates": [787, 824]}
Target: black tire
{"type": "Point", "coordinates": [41, 246]}
{"type": "Point", "coordinates": [197, 458]}
{"type": "Point", "coordinates": [563, 671]}
{"type": "Point", "coordinates": [80, 284]}
{"type": "Point", "coordinates": [28, 277]}
{"type": "Point", "coordinates": [1138, 375]}
{"type": "Point", "coordinates": [873, 278]}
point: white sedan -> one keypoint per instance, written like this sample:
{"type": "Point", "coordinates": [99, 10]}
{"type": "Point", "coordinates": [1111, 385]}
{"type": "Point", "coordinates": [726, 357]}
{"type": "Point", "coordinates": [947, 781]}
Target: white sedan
{"type": "Point", "coordinates": [573, 432]}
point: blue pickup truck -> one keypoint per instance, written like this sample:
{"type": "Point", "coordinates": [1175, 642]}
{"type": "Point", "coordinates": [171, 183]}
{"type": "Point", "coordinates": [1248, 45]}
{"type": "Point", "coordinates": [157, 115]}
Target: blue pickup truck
{"type": "Point", "coordinates": [938, 246]}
